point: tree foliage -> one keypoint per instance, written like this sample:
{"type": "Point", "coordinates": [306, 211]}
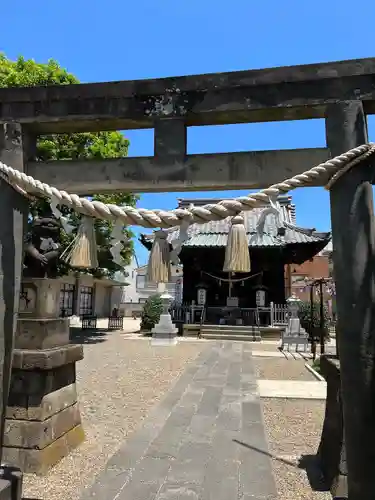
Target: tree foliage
{"type": "Point", "coordinates": [310, 318]}
{"type": "Point", "coordinates": [28, 73]}
{"type": "Point", "coordinates": [151, 312]}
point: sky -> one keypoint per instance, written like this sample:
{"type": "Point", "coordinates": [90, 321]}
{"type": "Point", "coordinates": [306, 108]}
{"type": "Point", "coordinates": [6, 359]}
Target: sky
{"type": "Point", "coordinates": [119, 40]}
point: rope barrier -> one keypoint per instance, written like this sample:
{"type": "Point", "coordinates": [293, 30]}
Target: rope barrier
{"type": "Point", "coordinates": [232, 280]}
{"type": "Point", "coordinates": [349, 165]}
{"type": "Point", "coordinates": [329, 171]}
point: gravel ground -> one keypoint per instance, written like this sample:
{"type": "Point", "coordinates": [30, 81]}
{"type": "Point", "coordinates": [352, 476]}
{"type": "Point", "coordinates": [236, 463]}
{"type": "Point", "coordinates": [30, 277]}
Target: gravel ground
{"type": "Point", "coordinates": [294, 429]}
{"type": "Point", "coordinates": [261, 346]}
{"type": "Point", "coordinates": [119, 381]}
{"type": "Point", "coordinates": [281, 369]}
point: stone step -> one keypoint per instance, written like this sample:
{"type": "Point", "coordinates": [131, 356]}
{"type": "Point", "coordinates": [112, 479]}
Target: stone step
{"type": "Point", "coordinates": [266, 332]}
{"type": "Point", "coordinates": [240, 328]}
{"type": "Point", "coordinates": [243, 337]}
{"type": "Point", "coordinates": [231, 331]}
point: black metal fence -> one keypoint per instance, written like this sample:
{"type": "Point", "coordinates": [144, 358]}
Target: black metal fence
{"type": "Point", "coordinates": [89, 321]}
{"type": "Point", "coordinates": [238, 316]}
{"type": "Point", "coordinates": [115, 323]}
{"type": "Point", "coordinates": [178, 314]}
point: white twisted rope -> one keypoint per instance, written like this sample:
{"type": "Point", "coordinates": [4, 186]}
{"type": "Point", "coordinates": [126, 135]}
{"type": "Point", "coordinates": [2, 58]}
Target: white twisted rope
{"type": "Point", "coordinates": [165, 219]}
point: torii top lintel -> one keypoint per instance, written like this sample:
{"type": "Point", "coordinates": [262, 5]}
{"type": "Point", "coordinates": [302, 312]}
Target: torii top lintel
{"type": "Point", "coordinates": [283, 93]}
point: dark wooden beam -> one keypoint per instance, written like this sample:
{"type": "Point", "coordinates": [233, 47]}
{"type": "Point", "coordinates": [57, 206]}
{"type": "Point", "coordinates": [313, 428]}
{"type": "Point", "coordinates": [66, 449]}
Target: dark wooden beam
{"type": "Point", "coordinates": [208, 172]}
{"type": "Point", "coordinates": [353, 232]}
{"type": "Point", "coordinates": [284, 93]}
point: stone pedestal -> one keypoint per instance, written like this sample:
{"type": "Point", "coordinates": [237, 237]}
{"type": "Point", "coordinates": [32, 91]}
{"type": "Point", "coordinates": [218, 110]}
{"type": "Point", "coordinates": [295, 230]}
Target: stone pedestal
{"type": "Point", "coordinates": [10, 483]}
{"type": "Point", "coordinates": [43, 419]}
{"type": "Point", "coordinates": [294, 333]}
{"type": "Point", "coordinates": [40, 298]}
{"type": "Point", "coordinates": [165, 332]}
{"type": "Point", "coordinates": [331, 452]}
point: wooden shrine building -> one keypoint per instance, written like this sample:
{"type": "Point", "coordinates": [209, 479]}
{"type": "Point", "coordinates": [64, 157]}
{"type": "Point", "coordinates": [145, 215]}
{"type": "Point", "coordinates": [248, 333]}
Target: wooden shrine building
{"type": "Point", "coordinates": [274, 241]}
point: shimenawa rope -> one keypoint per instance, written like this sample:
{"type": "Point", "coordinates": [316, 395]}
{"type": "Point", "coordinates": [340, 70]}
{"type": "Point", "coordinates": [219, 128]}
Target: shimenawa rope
{"type": "Point", "coordinates": [331, 169]}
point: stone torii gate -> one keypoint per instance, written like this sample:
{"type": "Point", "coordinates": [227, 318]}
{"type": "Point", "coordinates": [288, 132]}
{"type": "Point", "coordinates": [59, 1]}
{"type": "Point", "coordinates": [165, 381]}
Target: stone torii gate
{"type": "Point", "coordinates": [341, 92]}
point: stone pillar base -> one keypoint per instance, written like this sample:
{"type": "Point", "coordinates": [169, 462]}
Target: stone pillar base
{"type": "Point", "coordinates": [39, 461]}
{"type": "Point", "coordinates": [339, 488]}
{"type": "Point", "coordinates": [43, 421]}
{"type": "Point", "coordinates": [165, 332]}
{"type": "Point", "coordinates": [163, 340]}
{"type": "Point", "coordinates": [331, 452]}
{"type": "Point", "coordinates": [10, 483]}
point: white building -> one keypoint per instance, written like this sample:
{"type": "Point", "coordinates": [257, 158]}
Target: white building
{"type": "Point", "coordinates": [327, 250]}
{"type": "Point", "coordinates": [130, 293]}
{"type": "Point", "coordinates": [82, 294]}
{"type": "Point", "coordinates": [138, 288]}
{"type": "Point", "coordinates": [119, 292]}
{"type": "Point", "coordinates": [145, 289]}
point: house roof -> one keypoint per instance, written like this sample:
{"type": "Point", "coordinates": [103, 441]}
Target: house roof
{"type": "Point", "coordinates": [328, 249]}
{"type": "Point", "coordinates": [215, 233]}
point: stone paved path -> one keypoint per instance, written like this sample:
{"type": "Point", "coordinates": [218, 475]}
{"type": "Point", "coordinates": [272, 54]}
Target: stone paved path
{"type": "Point", "coordinates": [204, 441]}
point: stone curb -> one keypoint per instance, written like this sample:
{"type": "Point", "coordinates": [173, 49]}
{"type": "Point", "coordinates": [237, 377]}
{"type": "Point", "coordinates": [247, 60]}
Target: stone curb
{"type": "Point", "coordinates": [314, 373]}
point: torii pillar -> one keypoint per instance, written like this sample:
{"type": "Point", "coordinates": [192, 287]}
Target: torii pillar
{"type": "Point", "coordinates": [353, 232]}
{"type": "Point", "coordinates": [13, 213]}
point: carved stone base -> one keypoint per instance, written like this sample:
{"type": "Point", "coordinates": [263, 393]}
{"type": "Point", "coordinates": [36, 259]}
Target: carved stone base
{"type": "Point", "coordinates": [40, 298]}
{"type": "Point", "coordinates": [164, 333]}
{"type": "Point", "coordinates": [39, 461]}
{"type": "Point", "coordinates": [33, 333]}
{"type": "Point", "coordinates": [163, 339]}
{"type": "Point", "coordinates": [43, 420]}
{"type": "Point", "coordinates": [339, 488]}
{"type": "Point", "coordinates": [6, 490]}
{"type": "Point", "coordinates": [10, 483]}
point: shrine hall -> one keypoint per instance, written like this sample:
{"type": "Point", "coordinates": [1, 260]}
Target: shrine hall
{"type": "Point", "coordinates": [274, 239]}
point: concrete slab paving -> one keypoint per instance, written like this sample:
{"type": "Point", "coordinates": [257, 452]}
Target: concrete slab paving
{"type": "Point", "coordinates": [269, 354]}
{"type": "Point", "coordinates": [282, 354]}
{"type": "Point", "coordinates": [205, 440]}
{"type": "Point", "coordinates": [292, 389]}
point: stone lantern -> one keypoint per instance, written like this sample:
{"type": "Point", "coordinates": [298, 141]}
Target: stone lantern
{"type": "Point", "coordinates": [294, 333]}
{"type": "Point", "coordinates": [294, 304]}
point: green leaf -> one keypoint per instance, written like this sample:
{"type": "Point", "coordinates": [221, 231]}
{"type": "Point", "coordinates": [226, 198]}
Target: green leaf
{"type": "Point", "coordinates": [151, 312]}
{"type": "Point", "coordinates": [310, 318]}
